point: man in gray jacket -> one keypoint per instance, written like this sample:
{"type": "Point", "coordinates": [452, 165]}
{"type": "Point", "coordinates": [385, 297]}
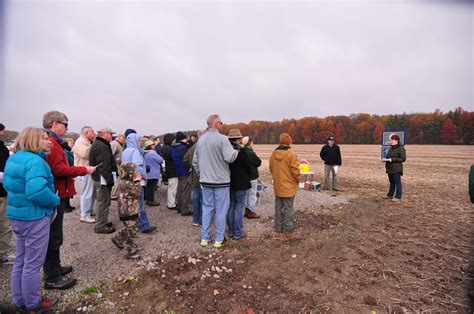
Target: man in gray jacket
{"type": "Point", "coordinates": [211, 161]}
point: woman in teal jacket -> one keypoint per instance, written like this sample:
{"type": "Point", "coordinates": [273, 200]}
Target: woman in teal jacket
{"type": "Point", "coordinates": [31, 202]}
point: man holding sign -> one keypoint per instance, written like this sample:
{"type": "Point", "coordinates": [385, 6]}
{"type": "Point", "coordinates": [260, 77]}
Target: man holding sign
{"type": "Point", "coordinates": [331, 155]}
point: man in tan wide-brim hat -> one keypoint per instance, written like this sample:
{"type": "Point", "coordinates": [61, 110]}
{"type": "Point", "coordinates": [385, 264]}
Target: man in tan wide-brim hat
{"type": "Point", "coordinates": [234, 134]}
{"type": "Point", "coordinates": [240, 171]}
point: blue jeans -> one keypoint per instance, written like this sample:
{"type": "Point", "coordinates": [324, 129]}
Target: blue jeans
{"type": "Point", "coordinates": [235, 216]}
{"type": "Point", "coordinates": [218, 199]}
{"type": "Point", "coordinates": [395, 182]}
{"type": "Point", "coordinates": [197, 205]}
{"type": "Point", "coordinates": [143, 223]}
{"type": "Point", "coordinates": [31, 245]}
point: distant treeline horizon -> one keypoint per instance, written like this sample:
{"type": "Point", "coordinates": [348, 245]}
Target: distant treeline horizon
{"type": "Point", "coordinates": [453, 127]}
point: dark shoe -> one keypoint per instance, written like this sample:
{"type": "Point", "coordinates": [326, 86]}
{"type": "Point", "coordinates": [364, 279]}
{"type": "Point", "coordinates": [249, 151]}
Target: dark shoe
{"type": "Point", "coordinates": [150, 229]}
{"type": "Point", "coordinates": [244, 235]}
{"type": "Point", "coordinates": [109, 224]}
{"type": "Point", "coordinates": [45, 305]}
{"type": "Point", "coordinates": [117, 242]}
{"type": "Point", "coordinates": [66, 270]}
{"type": "Point", "coordinates": [153, 203]}
{"type": "Point", "coordinates": [71, 207]}
{"type": "Point", "coordinates": [187, 214]}
{"type": "Point", "coordinates": [61, 284]}
{"type": "Point", "coordinates": [105, 230]}
{"type": "Point", "coordinates": [67, 210]}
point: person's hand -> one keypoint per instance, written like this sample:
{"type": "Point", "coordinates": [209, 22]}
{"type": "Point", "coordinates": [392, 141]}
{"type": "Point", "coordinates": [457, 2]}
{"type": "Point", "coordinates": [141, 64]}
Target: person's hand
{"type": "Point", "coordinates": [137, 176]}
{"type": "Point", "coordinates": [90, 170]}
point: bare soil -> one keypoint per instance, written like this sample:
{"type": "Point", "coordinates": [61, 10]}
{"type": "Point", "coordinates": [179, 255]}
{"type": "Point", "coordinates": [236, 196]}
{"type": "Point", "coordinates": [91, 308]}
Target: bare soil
{"type": "Point", "coordinates": [367, 254]}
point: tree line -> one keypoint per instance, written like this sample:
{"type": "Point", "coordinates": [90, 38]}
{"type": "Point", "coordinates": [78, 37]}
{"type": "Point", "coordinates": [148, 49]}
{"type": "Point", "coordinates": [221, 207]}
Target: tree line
{"type": "Point", "coordinates": [453, 127]}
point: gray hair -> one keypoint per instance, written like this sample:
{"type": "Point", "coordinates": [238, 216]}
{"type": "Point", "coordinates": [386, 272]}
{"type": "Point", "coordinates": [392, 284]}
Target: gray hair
{"type": "Point", "coordinates": [53, 116]}
{"type": "Point", "coordinates": [211, 120]}
{"type": "Point", "coordinates": [85, 129]}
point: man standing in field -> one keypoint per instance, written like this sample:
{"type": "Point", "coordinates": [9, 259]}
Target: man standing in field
{"type": "Point", "coordinates": [102, 157]}
{"type": "Point", "coordinates": [331, 155]}
{"type": "Point", "coordinates": [81, 151]}
{"type": "Point", "coordinates": [54, 274]}
{"type": "Point", "coordinates": [286, 177]}
{"type": "Point", "coordinates": [211, 161]}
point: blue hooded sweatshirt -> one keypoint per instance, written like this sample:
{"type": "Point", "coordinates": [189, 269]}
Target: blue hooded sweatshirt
{"type": "Point", "coordinates": [134, 154]}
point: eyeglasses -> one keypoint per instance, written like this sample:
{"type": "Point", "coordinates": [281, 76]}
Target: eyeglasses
{"type": "Point", "coordinates": [63, 123]}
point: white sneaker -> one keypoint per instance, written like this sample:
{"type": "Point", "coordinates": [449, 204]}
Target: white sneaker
{"type": "Point", "coordinates": [88, 220]}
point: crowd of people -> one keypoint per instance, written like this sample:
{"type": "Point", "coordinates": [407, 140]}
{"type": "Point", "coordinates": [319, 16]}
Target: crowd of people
{"type": "Point", "coordinates": [210, 176]}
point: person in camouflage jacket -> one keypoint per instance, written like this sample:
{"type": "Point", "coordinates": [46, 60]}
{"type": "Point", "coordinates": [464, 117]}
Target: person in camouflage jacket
{"type": "Point", "coordinates": [129, 190]}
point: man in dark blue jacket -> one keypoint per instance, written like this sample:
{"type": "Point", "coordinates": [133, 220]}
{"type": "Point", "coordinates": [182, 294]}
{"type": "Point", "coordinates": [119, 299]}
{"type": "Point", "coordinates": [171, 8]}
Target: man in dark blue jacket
{"type": "Point", "coordinates": [331, 154]}
{"type": "Point", "coordinates": [183, 195]}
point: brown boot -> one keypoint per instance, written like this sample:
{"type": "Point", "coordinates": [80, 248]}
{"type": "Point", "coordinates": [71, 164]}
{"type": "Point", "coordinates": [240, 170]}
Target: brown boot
{"type": "Point", "coordinates": [250, 214]}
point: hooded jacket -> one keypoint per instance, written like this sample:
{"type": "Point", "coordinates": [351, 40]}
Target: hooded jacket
{"type": "Point", "coordinates": [134, 154]}
{"type": "Point", "coordinates": [285, 171]}
{"type": "Point", "coordinates": [167, 149]}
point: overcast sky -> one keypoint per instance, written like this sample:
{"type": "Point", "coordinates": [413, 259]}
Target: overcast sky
{"type": "Point", "coordinates": [165, 66]}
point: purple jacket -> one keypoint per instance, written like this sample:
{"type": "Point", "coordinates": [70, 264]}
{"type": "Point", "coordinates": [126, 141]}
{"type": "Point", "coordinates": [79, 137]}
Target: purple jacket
{"type": "Point", "coordinates": [153, 161]}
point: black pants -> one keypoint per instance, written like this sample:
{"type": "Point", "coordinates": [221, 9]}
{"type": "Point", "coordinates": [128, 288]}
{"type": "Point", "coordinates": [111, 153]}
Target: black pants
{"type": "Point", "coordinates": [150, 190]}
{"type": "Point", "coordinates": [52, 263]}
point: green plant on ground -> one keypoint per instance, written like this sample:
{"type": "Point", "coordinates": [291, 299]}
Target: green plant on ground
{"type": "Point", "coordinates": [353, 231]}
{"type": "Point", "coordinates": [90, 289]}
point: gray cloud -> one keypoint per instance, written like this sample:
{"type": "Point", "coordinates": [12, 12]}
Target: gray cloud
{"type": "Point", "coordinates": [163, 66]}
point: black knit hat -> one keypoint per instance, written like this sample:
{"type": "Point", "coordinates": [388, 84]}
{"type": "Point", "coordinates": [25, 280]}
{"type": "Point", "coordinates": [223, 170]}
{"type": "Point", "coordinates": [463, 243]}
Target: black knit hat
{"type": "Point", "coordinates": [180, 136]}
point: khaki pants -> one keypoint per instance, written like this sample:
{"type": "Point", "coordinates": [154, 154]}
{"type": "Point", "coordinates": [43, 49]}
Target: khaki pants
{"type": "Point", "coordinates": [5, 230]}
{"type": "Point", "coordinates": [327, 170]}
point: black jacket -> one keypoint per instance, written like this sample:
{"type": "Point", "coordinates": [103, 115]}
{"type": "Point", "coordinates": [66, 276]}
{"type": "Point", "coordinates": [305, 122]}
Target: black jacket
{"type": "Point", "coordinates": [398, 155]}
{"type": "Point", "coordinates": [101, 152]}
{"type": "Point", "coordinates": [240, 171]}
{"type": "Point", "coordinates": [255, 162]}
{"type": "Point", "coordinates": [169, 165]}
{"type": "Point", "coordinates": [4, 154]}
{"type": "Point", "coordinates": [331, 155]}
